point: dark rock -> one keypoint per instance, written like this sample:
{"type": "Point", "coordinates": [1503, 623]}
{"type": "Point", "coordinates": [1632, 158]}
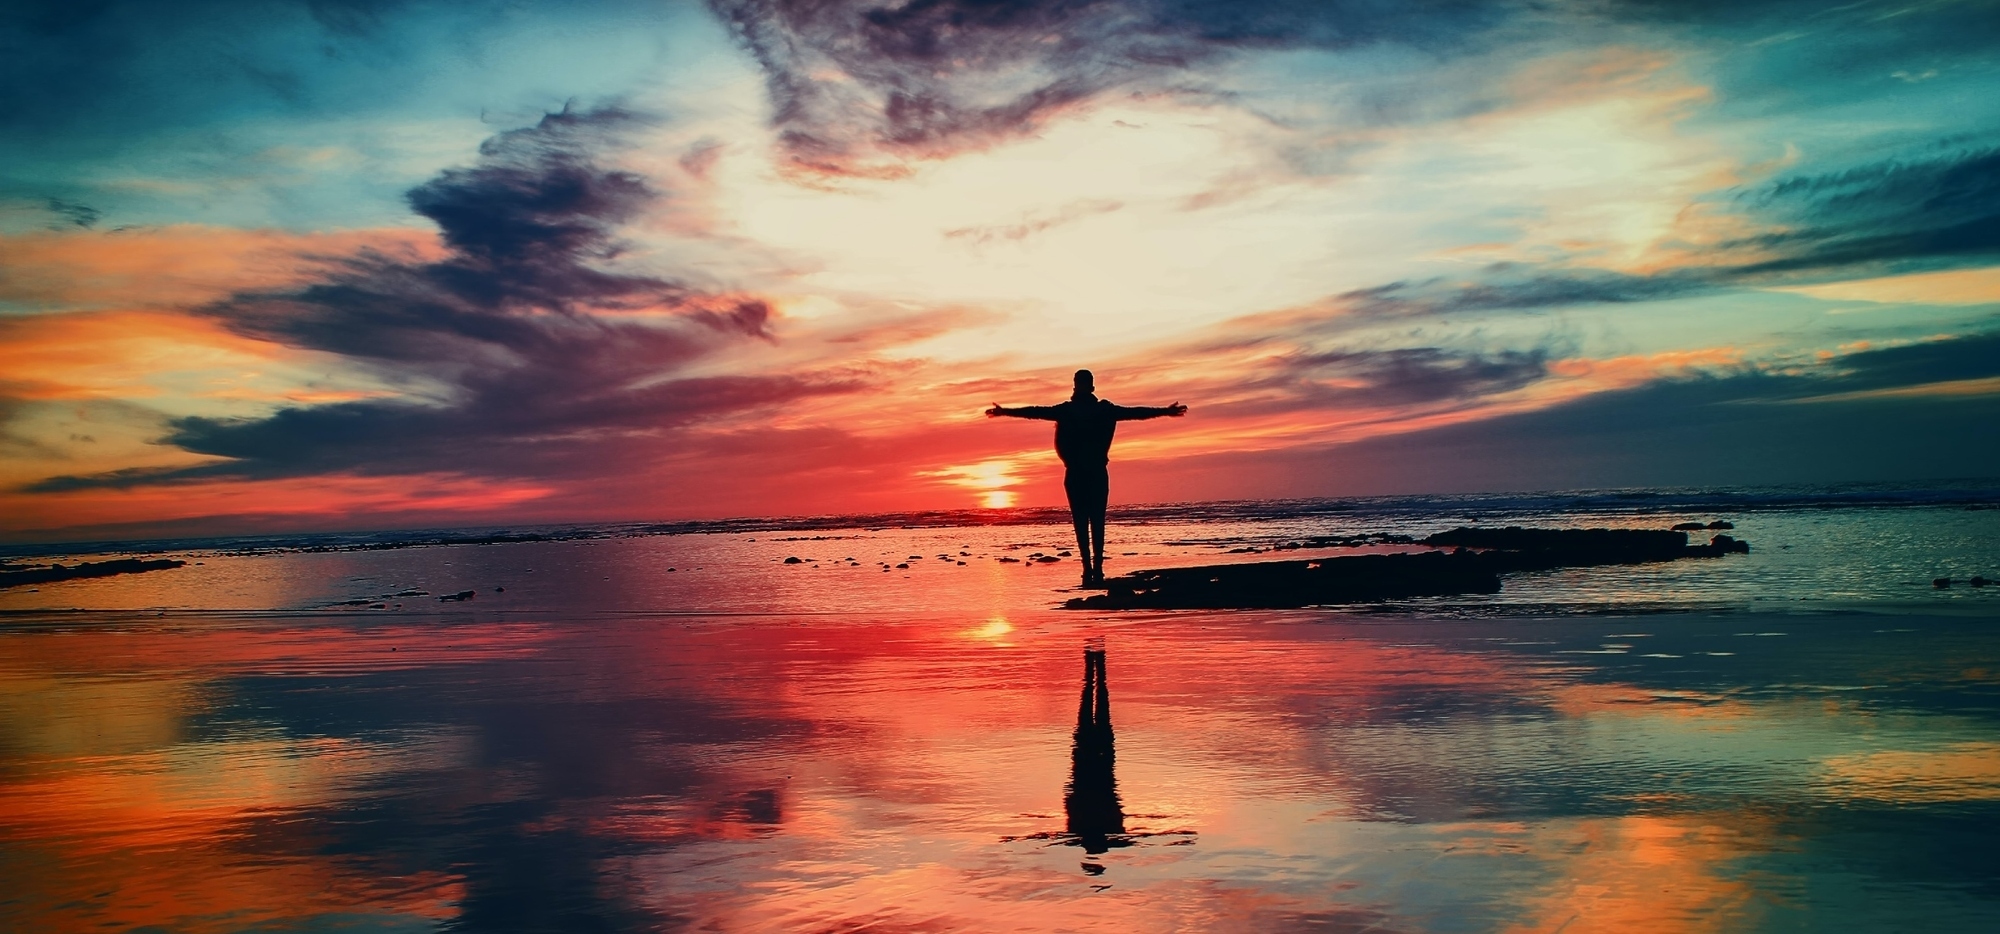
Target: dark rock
{"type": "Point", "coordinates": [13, 577]}
{"type": "Point", "coordinates": [1006, 560]}
{"type": "Point", "coordinates": [1978, 581]}
{"type": "Point", "coordinates": [1474, 565]}
{"type": "Point", "coordinates": [1689, 527]}
{"type": "Point", "coordinates": [793, 560]}
{"type": "Point", "coordinates": [1288, 584]}
{"type": "Point", "coordinates": [1941, 583]}
{"type": "Point", "coordinates": [902, 567]}
{"type": "Point", "coordinates": [1724, 545]}
{"type": "Point", "coordinates": [1047, 559]}
{"type": "Point", "coordinates": [459, 596]}
{"type": "Point", "coordinates": [1720, 524]}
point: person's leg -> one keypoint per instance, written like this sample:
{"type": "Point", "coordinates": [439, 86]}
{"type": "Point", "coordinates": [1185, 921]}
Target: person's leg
{"type": "Point", "coordinates": [1100, 495]}
{"type": "Point", "coordinates": [1097, 532]}
{"type": "Point", "coordinates": [1078, 488]}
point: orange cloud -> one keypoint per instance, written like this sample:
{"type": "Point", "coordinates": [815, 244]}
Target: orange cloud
{"type": "Point", "coordinates": [179, 265]}
{"type": "Point", "coordinates": [1630, 370]}
{"type": "Point", "coordinates": [1952, 287]}
{"type": "Point", "coordinates": [119, 354]}
{"type": "Point", "coordinates": [1983, 386]}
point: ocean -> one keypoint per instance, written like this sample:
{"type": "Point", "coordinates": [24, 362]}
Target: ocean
{"type": "Point", "coordinates": [680, 727]}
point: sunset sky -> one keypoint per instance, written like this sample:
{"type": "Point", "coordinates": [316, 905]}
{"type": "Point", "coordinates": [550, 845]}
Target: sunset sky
{"type": "Point", "coordinates": [372, 263]}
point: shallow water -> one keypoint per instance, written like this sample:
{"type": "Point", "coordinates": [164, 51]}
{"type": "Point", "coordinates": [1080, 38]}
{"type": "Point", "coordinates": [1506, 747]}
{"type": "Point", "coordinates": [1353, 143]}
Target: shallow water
{"type": "Point", "coordinates": [1272, 771]}
{"type": "Point", "coordinates": [1813, 559]}
{"type": "Point", "coordinates": [686, 733]}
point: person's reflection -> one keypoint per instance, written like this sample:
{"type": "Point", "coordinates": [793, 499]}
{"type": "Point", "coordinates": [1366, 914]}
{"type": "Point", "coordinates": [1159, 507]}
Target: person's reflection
{"type": "Point", "coordinates": [1096, 819]}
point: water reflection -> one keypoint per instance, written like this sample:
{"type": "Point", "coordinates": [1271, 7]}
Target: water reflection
{"type": "Point", "coordinates": [1094, 815]}
{"type": "Point", "coordinates": [1096, 819]}
{"type": "Point", "coordinates": [659, 774]}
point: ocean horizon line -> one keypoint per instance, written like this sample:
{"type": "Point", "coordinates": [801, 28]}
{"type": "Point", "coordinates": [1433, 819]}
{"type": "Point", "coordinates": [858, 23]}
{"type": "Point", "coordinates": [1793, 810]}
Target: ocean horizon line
{"type": "Point", "coordinates": [1982, 492]}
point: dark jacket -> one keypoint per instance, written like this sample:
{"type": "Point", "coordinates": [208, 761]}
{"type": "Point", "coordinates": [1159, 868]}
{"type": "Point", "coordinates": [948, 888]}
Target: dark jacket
{"type": "Point", "coordinates": [1084, 427]}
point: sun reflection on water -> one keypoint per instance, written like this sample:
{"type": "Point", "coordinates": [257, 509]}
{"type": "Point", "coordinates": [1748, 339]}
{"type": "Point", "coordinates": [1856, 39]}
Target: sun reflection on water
{"type": "Point", "coordinates": [994, 630]}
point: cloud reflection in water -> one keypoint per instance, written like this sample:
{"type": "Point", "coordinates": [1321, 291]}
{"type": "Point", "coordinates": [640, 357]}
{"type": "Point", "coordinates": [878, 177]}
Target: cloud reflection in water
{"type": "Point", "coordinates": [776, 773]}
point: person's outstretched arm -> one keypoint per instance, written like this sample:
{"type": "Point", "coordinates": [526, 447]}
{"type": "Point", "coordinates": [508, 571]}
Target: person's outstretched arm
{"type": "Point", "coordinates": [1133, 413]}
{"type": "Point", "coordinates": [1044, 412]}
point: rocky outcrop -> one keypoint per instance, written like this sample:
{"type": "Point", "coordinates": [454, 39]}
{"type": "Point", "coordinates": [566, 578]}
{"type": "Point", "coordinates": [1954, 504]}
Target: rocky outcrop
{"type": "Point", "coordinates": [1474, 565]}
{"type": "Point", "coordinates": [46, 574]}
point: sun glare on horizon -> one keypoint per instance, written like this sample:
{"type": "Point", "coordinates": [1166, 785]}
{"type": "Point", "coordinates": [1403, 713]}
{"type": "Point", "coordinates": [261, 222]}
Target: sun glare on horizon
{"type": "Point", "coordinates": [988, 479]}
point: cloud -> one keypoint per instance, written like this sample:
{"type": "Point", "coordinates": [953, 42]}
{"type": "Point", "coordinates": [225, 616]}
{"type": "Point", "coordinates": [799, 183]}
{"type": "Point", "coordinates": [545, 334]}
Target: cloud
{"type": "Point", "coordinates": [1967, 357]}
{"type": "Point", "coordinates": [1035, 223]}
{"type": "Point", "coordinates": [1885, 218]}
{"type": "Point", "coordinates": [1700, 428]}
{"type": "Point", "coordinates": [1515, 286]}
{"type": "Point", "coordinates": [177, 266]}
{"type": "Point", "coordinates": [520, 350]}
{"type": "Point", "coordinates": [1895, 215]}
{"type": "Point", "coordinates": [1376, 378]}
{"type": "Point", "coordinates": [74, 214]}
{"type": "Point", "coordinates": [860, 88]}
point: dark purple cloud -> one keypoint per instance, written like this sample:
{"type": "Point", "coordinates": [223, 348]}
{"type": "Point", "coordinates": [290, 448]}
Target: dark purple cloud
{"type": "Point", "coordinates": [857, 86]}
{"type": "Point", "coordinates": [538, 356]}
{"type": "Point", "coordinates": [1860, 418]}
{"type": "Point", "coordinates": [1307, 380]}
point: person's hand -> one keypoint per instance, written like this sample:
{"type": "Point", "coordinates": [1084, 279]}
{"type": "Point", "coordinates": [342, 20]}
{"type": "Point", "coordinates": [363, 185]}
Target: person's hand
{"type": "Point", "coordinates": [1176, 410]}
{"type": "Point", "coordinates": [994, 412]}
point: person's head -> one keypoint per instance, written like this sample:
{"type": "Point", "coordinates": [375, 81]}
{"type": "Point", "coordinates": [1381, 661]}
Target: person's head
{"type": "Point", "coordinates": [1085, 383]}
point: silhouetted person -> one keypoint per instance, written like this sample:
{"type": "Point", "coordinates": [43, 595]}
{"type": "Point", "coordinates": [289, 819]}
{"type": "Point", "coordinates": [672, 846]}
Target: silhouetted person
{"type": "Point", "coordinates": [1095, 816]}
{"type": "Point", "coordinates": [1084, 426]}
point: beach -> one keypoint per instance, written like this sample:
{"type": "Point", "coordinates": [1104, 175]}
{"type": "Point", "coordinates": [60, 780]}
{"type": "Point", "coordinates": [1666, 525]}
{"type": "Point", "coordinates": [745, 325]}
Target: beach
{"type": "Point", "coordinates": [686, 732]}
{"type": "Point", "coordinates": [912, 466]}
